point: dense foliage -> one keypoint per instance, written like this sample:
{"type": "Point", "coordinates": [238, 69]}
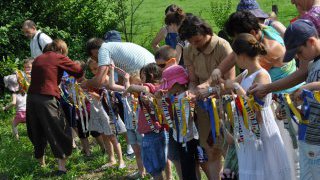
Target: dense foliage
{"type": "Point", "coordinates": [72, 20]}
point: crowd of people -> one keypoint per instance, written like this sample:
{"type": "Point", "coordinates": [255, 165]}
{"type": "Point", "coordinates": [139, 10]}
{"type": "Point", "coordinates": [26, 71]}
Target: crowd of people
{"type": "Point", "coordinates": [185, 104]}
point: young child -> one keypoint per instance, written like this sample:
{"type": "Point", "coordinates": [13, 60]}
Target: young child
{"type": "Point", "coordinates": [16, 84]}
{"type": "Point", "coordinates": [175, 82]}
{"type": "Point", "coordinates": [130, 108]}
{"type": "Point", "coordinates": [154, 145]}
{"type": "Point", "coordinates": [165, 56]}
{"type": "Point", "coordinates": [302, 40]}
{"type": "Point", "coordinates": [271, 161]}
{"type": "Point", "coordinates": [101, 122]}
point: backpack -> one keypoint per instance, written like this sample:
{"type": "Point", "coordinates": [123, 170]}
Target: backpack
{"type": "Point", "coordinates": [38, 37]}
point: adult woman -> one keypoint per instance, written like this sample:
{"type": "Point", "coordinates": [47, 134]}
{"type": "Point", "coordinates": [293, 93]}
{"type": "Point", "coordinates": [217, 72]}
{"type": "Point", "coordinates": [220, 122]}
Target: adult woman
{"type": "Point", "coordinates": [205, 52]}
{"type": "Point", "coordinates": [169, 33]}
{"type": "Point", "coordinates": [45, 118]}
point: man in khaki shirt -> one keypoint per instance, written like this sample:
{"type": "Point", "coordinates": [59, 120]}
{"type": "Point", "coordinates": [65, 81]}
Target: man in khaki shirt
{"type": "Point", "coordinates": [202, 56]}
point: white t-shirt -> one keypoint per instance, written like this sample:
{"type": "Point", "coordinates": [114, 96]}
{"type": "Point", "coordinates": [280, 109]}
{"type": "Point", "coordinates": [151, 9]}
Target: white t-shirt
{"type": "Point", "coordinates": [21, 102]}
{"type": "Point", "coordinates": [34, 46]}
{"type": "Point", "coordinates": [128, 56]}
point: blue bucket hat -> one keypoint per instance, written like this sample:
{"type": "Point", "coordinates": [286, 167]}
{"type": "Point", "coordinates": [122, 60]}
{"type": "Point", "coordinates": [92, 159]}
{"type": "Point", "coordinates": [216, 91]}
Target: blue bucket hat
{"type": "Point", "coordinates": [253, 7]}
{"type": "Point", "coordinates": [112, 36]}
{"type": "Point", "coordinates": [296, 35]}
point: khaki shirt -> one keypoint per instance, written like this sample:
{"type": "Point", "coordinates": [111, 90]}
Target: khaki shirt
{"type": "Point", "coordinates": [205, 62]}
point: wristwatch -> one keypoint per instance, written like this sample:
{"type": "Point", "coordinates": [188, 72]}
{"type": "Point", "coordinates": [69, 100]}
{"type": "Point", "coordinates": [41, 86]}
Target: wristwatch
{"type": "Point", "coordinates": [210, 90]}
{"type": "Point", "coordinates": [236, 86]}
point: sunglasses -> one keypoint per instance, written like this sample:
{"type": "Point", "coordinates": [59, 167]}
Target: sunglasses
{"type": "Point", "coordinates": [163, 65]}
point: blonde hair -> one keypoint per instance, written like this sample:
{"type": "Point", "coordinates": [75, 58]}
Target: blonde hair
{"type": "Point", "coordinates": [28, 61]}
{"type": "Point", "coordinates": [134, 75]}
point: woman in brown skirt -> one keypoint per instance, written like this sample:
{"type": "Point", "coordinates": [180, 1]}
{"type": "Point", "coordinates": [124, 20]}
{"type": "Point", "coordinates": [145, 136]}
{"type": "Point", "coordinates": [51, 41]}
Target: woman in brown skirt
{"type": "Point", "coordinates": [45, 119]}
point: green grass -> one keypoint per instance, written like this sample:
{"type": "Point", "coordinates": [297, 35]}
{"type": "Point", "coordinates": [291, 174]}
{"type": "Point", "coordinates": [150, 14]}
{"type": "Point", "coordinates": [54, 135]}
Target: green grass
{"type": "Point", "coordinates": [17, 162]}
{"type": "Point", "coordinates": [16, 157]}
{"type": "Point", "coordinates": [150, 15]}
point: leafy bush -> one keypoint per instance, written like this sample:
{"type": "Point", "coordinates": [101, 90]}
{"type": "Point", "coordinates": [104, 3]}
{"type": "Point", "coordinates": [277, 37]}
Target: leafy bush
{"type": "Point", "coordinates": [220, 12]}
{"type": "Point", "coordinates": [75, 21]}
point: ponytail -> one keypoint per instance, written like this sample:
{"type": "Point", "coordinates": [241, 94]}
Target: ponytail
{"type": "Point", "coordinates": [175, 18]}
{"type": "Point", "coordinates": [247, 44]}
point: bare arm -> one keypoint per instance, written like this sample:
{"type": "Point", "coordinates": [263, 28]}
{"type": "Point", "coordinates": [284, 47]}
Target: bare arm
{"type": "Point", "coordinates": [99, 79]}
{"type": "Point", "coordinates": [12, 103]}
{"type": "Point", "coordinates": [179, 53]}
{"type": "Point", "coordinates": [299, 76]}
{"type": "Point", "coordinates": [314, 86]}
{"type": "Point", "coordinates": [194, 81]}
{"type": "Point", "coordinates": [228, 63]}
{"type": "Point", "coordinates": [293, 79]}
{"type": "Point", "coordinates": [279, 27]}
{"type": "Point", "coordinates": [112, 85]}
{"type": "Point", "coordinates": [137, 89]}
{"type": "Point", "coordinates": [159, 37]}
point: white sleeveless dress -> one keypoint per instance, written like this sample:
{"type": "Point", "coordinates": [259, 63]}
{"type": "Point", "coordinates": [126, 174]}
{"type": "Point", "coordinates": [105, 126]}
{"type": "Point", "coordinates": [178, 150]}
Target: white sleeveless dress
{"type": "Point", "coordinates": [272, 161]}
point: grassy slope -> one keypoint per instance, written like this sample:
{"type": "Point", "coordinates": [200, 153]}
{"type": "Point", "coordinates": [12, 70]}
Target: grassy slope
{"type": "Point", "coordinates": [150, 15]}
{"type": "Point", "coordinates": [15, 156]}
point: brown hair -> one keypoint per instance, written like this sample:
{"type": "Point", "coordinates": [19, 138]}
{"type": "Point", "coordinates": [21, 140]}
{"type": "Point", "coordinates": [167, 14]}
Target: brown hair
{"type": "Point", "coordinates": [28, 60]}
{"type": "Point", "coordinates": [93, 43]}
{"type": "Point", "coordinates": [165, 53]}
{"type": "Point", "coordinates": [175, 18]}
{"type": "Point", "coordinates": [59, 46]}
{"type": "Point", "coordinates": [152, 72]}
{"type": "Point", "coordinates": [29, 24]}
{"type": "Point", "coordinates": [193, 26]}
{"type": "Point", "coordinates": [246, 43]}
{"type": "Point", "coordinates": [171, 8]}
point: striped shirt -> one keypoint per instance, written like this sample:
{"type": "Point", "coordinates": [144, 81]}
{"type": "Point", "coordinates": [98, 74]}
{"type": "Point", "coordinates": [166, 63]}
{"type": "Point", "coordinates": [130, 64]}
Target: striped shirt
{"type": "Point", "coordinates": [127, 56]}
{"type": "Point", "coordinates": [313, 128]}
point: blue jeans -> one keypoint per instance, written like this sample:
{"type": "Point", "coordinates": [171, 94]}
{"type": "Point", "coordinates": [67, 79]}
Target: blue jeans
{"type": "Point", "coordinates": [309, 161]}
{"type": "Point", "coordinates": [154, 152]}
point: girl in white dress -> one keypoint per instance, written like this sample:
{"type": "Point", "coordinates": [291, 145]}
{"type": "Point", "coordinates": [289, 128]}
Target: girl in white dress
{"type": "Point", "coordinates": [265, 159]}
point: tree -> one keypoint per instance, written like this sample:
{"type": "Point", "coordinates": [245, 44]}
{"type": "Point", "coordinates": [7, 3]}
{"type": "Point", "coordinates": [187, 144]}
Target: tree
{"type": "Point", "coordinates": [74, 21]}
{"type": "Point", "coordinates": [126, 13]}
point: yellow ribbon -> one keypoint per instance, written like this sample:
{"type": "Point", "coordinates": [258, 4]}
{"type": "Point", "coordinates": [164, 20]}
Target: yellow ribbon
{"type": "Point", "coordinates": [244, 113]}
{"type": "Point", "coordinates": [183, 115]}
{"type": "Point", "coordinates": [22, 80]}
{"type": "Point", "coordinates": [316, 95]}
{"type": "Point", "coordinates": [158, 111]}
{"type": "Point", "coordinates": [294, 109]}
{"type": "Point", "coordinates": [229, 112]}
{"type": "Point", "coordinates": [252, 104]}
{"type": "Point", "coordinates": [216, 116]}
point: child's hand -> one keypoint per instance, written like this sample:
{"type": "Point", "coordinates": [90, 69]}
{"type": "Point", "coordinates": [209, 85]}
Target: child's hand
{"type": "Point", "coordinates": [296, 95]}
{"type": "Point", "coordinates": [160, 93]}
{"type": "Point", "coordinates": [229, 84]}
{"type": "Point", "coordinates": [191, 95]}
{"type": "Point", "coordinates": [215, 75]}
{"type": "Point", "coordinates": [127, 92]}
{"type": "Point", "coordinates": [127, 77]}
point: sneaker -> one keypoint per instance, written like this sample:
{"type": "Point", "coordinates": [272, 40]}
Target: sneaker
{"type": "Point", "coordinates": [122, 166]}
{"type": "Point", "coordinates": [135, 175]}
{"type": "Point", "coordinates": [130, 156]}
{"type": "Point", "coordinates": [129, 149]}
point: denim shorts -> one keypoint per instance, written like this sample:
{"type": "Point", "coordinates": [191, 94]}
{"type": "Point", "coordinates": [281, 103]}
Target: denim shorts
{"type": "Point", "coordinates": [133, 137]}
{"type": "Point", "coordinates": [309, 161]}
{"type": "Point", "coordinates": [154, 152]}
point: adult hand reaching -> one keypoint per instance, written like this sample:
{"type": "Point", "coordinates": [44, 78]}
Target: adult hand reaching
{"type": "Point", "coordinates": [215, 75]}
{"type": "Point", "coordinates": [259, 90]}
